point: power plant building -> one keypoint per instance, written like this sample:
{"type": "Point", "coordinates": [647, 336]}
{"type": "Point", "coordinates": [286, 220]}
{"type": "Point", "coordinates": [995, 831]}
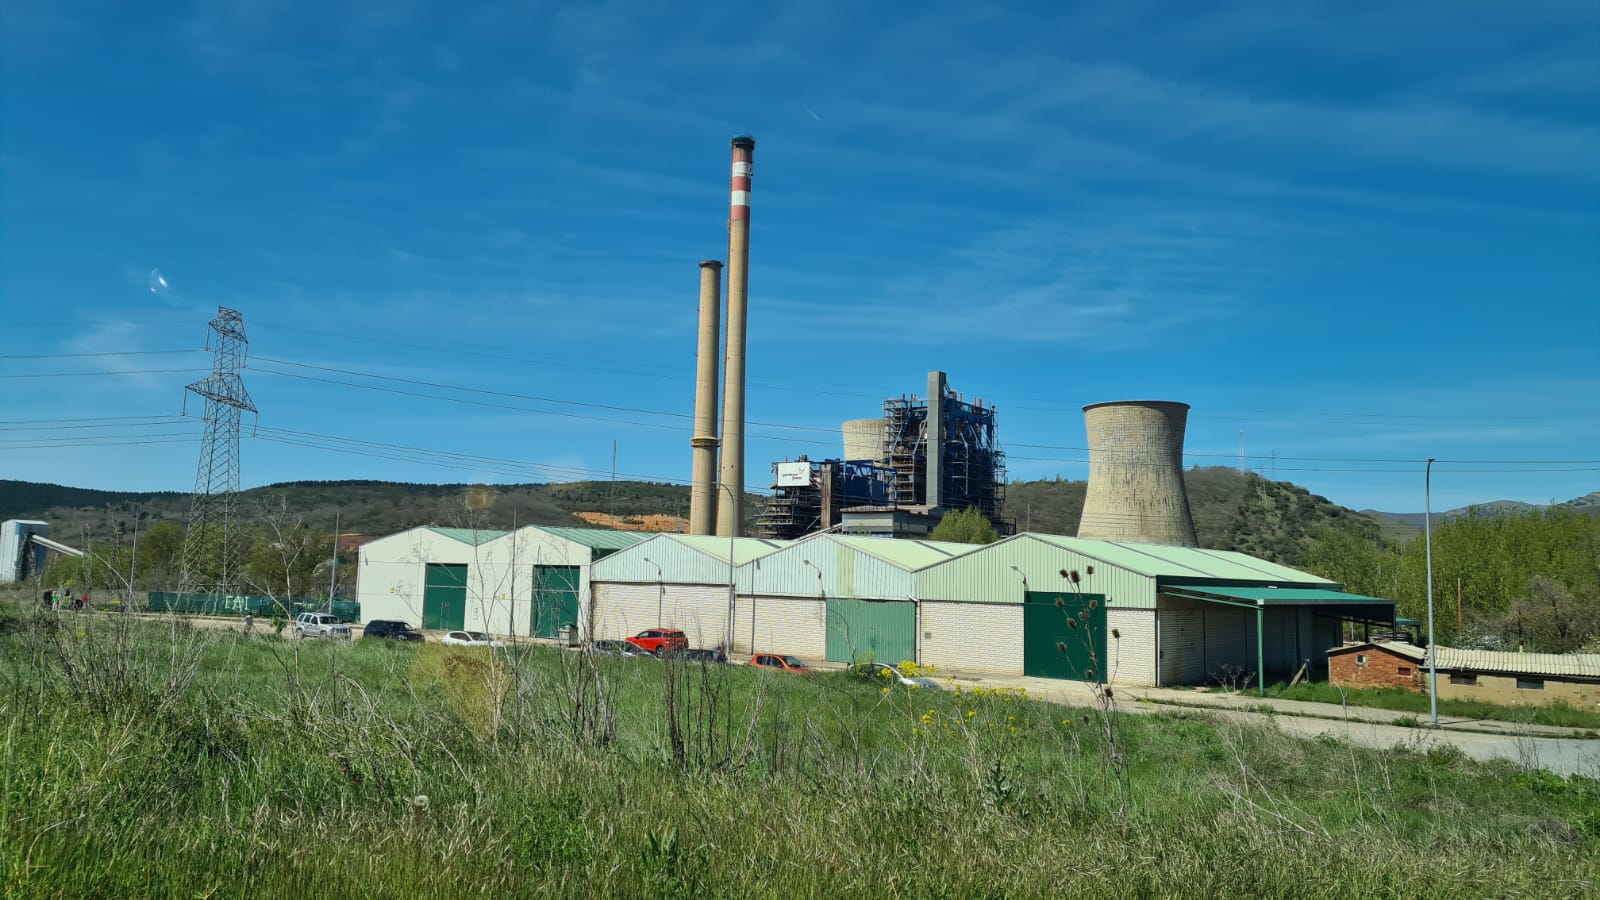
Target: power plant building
{"type": "Point", "coordinates": [900, 473]}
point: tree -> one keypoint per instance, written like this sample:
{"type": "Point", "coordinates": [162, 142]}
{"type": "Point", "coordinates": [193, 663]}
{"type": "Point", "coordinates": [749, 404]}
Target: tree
{"type": "Point", "coordinates": [1550, 619]}
{"type": "Point", "coordinates": [160, 554]}
{"type": "Point", "coordinates": [285, 555]}
{"type": "Point", "coordinates": [965, 527]}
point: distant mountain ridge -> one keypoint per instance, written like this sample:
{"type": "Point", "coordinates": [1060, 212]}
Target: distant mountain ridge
{"type": "Point", "coordinates": [1274, 520]}
{"type": "Point", "coordinates": [1588, 504]}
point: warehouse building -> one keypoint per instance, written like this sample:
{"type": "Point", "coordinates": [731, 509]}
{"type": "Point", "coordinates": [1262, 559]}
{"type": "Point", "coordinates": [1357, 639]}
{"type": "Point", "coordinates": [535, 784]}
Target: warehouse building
{"type": "Point", "coordinates": [522, 583]}
{"type": "Point", "coordinates": [672, 581]}
{"type": "Point", "coordinates": [1148, 614]}
{"type": "Point", "coordinates": [838, 597]}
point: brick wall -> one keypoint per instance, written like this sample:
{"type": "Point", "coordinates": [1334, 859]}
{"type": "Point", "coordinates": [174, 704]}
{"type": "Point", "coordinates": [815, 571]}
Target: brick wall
{"type": "Point", "coordinates": [1380, 669]}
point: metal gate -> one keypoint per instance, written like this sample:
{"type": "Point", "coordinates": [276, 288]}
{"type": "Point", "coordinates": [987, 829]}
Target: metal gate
{"type": "Point", "coordinates": [555, 599]}
{"type": "Point", "coordinates": [1051, 648]}
{"type": "Point", "coordinates": [881, 630]}
{"type": "Point", "coordinates": [444, 597]}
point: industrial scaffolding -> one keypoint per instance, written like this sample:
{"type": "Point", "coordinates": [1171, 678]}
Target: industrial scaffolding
{"type": "Point", "coordinates": [972, 470]}
{"type": "Point", "coordinates": [830, 485]}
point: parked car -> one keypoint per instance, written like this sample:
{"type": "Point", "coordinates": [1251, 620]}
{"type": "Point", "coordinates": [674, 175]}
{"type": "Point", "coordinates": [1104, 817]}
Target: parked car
{"type": "Point", "coordinates": [887, 673]}
{"type": "Point", "coordinates": [469, 639]}
{"type": "Point", "coordinates": [699, 655]}
{"type": "Point", "coordinates": [618, 648]}
{"type": "Point", "coordinates": [781, 662]}
{"type": "Point", "coordinates": [657, 640]}
{"type": "Point", "coordinates": [320, 625]}
{"type": "Point", "coordinates": [391, 629]}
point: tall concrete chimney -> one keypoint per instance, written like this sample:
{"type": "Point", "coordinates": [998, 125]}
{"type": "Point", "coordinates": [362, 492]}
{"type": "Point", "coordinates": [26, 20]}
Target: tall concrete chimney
{"type": "Point", "coordinates": [935, 443]}
{"type": "Point", "coordinates": [703, 485]}
{"type": "Point", "coordinates": [1136, 488]}
{"type": "Point", "coordinates": [730, 509]}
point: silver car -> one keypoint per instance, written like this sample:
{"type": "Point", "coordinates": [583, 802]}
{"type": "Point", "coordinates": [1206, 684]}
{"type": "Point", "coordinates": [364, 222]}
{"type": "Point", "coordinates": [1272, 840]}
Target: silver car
{"type": "Point", "coordinates": [320, 625]}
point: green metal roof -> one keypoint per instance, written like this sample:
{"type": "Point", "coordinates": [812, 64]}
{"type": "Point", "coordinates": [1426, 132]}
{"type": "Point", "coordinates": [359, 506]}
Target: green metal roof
{"type": "Point", "coordinates": [472, 537]}
{"type": "Point", "coordinates": [1289, 596]}
{"type": "Point", "coordinates": [1176, 565]}
{"type": "Point", "coordinates": [907, 554]}
{"type": "Point", "coordinates": [598, 538]}
{"type": "Point", "coordinates": [744, 549]}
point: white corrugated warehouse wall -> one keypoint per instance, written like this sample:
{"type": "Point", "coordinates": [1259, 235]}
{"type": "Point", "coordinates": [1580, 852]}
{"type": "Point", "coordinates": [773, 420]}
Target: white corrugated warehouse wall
{"type": "Point", "coordinates": [1131, 646]}
{"type": "Point", "coordinates": [392, 572]}
{"type": "Point", "coordinates": [781, 625]}
{"type": "Point", "coordinates": [624, 609]}
{"type": "Point", "coordinates": [975, 637]}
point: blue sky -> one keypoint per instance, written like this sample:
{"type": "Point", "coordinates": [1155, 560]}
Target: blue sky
{"type": "Point", "coordinates": [1362, 234]}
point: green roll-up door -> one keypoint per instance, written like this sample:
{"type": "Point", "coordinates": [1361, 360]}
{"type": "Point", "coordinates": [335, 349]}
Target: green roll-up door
{"type": "Point", "coordinates": [1053, 649]}
{"type": "Point", "coordinates": [444, 597]}
{"type": "Point", "coordinates": [555, 599]}
{"type": "Point", "coordinates": [881, 630]}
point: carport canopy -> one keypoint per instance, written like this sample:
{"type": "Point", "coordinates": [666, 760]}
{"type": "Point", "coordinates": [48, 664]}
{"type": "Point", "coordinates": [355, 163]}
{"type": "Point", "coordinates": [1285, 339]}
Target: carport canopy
{"type": "Point", "coordinates": [1355, 607]}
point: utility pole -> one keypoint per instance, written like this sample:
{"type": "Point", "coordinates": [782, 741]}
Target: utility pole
{"type": "Point", "coordinates": [133, 564]}
{"type": "Point", "coordinates": [1458, 608]}
{"type": "Point", "coordinates": [333, 571]}
{"type": "Point", "coordinates": [1241, 451]}
{"type": "Point", "coordinates": [1433, 648]}
{"type": "Point", "coordinates": [511, 617]}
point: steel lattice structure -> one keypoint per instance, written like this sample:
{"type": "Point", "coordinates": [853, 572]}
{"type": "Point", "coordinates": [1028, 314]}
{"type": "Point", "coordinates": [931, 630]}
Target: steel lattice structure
{"type": "Point", "coordinates": [211, 551]}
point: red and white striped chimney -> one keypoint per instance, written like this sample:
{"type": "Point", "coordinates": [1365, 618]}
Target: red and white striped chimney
{"type": "Point", "coordinates": [730, 508]}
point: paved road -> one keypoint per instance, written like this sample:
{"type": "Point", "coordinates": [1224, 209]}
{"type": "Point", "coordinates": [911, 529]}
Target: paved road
{"type": "Point", "coordinates": [1531, 746]}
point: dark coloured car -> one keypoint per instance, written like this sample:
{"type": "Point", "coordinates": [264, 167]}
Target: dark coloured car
{"type": "Point", "coordinates": [618, 648]}
{"type": "Point", "coordinates": [391, 629]}
{"type": "Point", "coordinates": [702, 656]}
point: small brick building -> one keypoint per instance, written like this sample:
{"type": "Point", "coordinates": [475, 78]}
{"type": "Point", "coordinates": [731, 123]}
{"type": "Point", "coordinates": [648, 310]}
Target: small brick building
{"type": "Point", "coordinates": [1376, 664]}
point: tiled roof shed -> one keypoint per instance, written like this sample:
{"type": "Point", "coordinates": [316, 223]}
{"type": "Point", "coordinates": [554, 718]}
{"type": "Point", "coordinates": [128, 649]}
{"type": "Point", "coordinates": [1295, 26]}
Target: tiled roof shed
{"type": "Point", "coordinates": [1500, 662]}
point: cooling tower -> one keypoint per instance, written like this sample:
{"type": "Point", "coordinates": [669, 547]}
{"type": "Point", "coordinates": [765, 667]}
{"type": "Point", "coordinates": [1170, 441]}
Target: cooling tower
{"type": "Point", "coordinates": [1136, 474]}
{"type": "Point", "coordinates": [863, 440]}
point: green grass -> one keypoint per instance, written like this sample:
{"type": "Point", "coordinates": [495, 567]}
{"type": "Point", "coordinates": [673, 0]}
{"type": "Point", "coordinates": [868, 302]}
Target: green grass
{"type": "Point", "coordinates": [1415, 702]}
{"type": "Point", "coordinates": [142, 758]}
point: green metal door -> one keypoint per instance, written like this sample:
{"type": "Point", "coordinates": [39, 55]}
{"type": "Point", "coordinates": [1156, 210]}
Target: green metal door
{"type": "Point", "coordinates": [555, 599]}
{"type": "Point", "coordinates": [1051, 648]}
{"type": "Point", "coordinates": [444, 597]}
{"type": "Point", "coordinates": [881, 630]}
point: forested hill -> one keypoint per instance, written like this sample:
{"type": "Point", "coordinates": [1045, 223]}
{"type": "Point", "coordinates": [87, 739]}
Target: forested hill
{"type": "Point", "coordinates": [1233, 511]}
{"type": "Point", "coordinates": [366, 507]}
{"type": "Point", "coordinates": [1274, 520]}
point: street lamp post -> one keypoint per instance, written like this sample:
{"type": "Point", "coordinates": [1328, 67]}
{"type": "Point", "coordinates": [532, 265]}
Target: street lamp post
{"type": "Point", "coordinates": [732, 591]}
{"type": "Point", "coordinates": [661, 588]}
{"type": "Point", "coordinates": [822, 596]}
{"type": "Point", "coordinates": [1024, 583]}
{"type": "Point", "coordinates": [1433, 649]}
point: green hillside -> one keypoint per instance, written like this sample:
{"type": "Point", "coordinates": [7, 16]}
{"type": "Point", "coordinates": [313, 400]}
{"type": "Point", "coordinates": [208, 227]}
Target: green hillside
{"type": "Point", "coordinates": [369, 507]}
{"type": "Point", "coordinates": [1232, 510]}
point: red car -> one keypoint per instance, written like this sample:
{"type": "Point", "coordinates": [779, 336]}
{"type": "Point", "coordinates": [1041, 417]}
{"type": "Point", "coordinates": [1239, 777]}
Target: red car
{"type": "Point", "coordinates": [659, 640]}
{"type": "Point", "coordinates": [781, 662]}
